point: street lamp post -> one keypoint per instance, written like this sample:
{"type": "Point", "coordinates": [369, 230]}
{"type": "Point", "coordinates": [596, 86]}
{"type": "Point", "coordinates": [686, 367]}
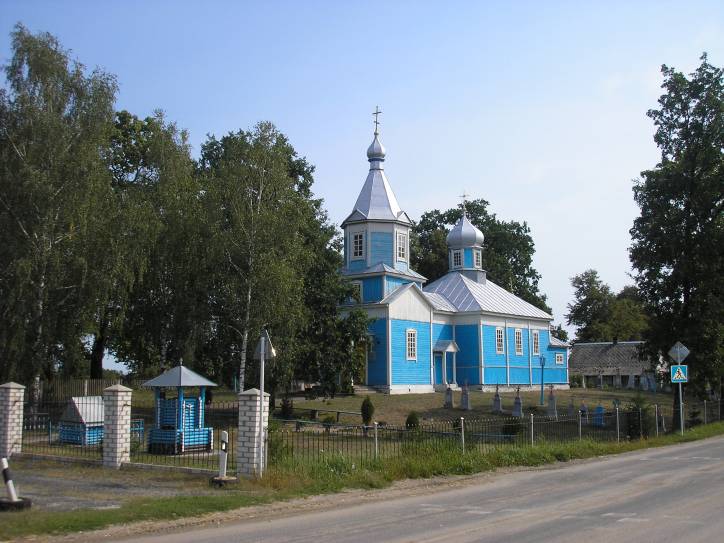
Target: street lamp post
{"type": "Point", "coordinates": [542, 380]}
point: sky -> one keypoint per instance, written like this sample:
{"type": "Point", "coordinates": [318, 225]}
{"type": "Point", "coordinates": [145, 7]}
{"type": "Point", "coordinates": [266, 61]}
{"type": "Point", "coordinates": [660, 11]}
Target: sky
{"type": "Point", "coordinates": [537, 107]}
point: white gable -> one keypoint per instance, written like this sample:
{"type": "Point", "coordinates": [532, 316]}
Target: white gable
{"type": "Point", "coordinates": [409, 303]}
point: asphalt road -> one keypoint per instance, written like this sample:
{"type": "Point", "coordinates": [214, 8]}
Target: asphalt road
{"type": "Point", "coordinates": [672, 494]}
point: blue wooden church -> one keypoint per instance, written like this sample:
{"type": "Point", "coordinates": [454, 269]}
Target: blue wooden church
{"type": "Point", "coordinates": [462, 329]}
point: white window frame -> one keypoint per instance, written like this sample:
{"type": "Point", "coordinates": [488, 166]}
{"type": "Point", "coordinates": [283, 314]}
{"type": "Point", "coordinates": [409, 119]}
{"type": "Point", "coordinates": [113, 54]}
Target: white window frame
{"type": "Point", "coordinates": [559, 359]}
{"type": "Point", "coordinates": [411, 344]}
{"type": "Point", "coordinates": [459, 254]}
{"type": "Point", "coordinates": [402, 246]}
{"type": "Point", "coordinates": [536, 342]}
{"type": "Point", "coordinates": [359, 286]}
{"type": "Point", "coordinates": [518, 341]}
{"type": "Point", "coordinates": [355, 255]}
{"type": "Point", "coordinates": [499, 340]}
{"type": "Point", "coordinates": [477, 258]}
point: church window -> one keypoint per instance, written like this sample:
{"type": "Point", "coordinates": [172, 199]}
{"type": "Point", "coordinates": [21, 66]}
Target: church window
{"type": "Point", "coordinates": [559, 358]}
{"type": "Point", "coordinates": [478, 258]}
{"type": "Point", "coordinates": [457, 259]}
{"type": "Point", "coordinates": [499, 343]}
{"type": "Point", "coordinates": [358, 245]}
{"type": "Point", "coordinates": [412, 344]}
{"type": "Point", "coordinates": [536, 342]}
{"type": "Point", "coordinates": [518, 341]}
{"type": "Point", "coordinates": [401, 246]}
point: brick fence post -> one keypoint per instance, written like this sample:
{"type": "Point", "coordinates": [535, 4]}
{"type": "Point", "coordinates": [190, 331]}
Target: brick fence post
{"type": "Point", "coordinates": [248, 462]}
{"type": "Point", "coordinates": [116, 426]}
{"type": "Point", "coordinates": [11, 419]}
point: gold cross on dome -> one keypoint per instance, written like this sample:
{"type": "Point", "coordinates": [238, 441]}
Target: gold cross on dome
{"type": "Point", "coordinates": [377, 121]}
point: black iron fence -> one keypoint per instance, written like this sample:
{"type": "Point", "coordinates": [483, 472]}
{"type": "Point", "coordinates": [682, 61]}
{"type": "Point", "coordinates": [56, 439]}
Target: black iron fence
{"type": "Point", "coordinates": [74, 428]}
{"type": "Point", "coordinates": [195, 448]}
{"type": "Point", "coordinates": [314, 441]}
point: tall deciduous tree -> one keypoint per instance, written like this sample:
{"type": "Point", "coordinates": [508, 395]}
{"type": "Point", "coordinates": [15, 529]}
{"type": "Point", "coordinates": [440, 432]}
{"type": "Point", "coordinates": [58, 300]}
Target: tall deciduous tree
{"type": "Point", "coordinates": [54, 118]}
{"type": "Point", "coordinates": [678, 240]}
{"type": "Point", "coordinates": [601, 315]}
{"type": "Point", "coordinates": [508, 249]}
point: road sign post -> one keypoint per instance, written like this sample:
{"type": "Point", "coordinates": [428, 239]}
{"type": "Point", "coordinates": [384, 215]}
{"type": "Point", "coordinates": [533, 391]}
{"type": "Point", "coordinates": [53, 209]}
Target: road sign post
{"type": "Point", "coordinates": [679, 374]}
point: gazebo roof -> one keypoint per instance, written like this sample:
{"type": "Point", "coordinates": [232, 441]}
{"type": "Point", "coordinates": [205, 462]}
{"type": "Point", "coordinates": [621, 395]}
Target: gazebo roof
{"type": "Point", "coordinates": [180, 376]}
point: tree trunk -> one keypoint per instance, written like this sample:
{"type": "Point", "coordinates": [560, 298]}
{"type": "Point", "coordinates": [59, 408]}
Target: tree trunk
{"type": "Point", "coordinates": [99, 349]}
{"type": "Point", "coordinates": [244, 339]}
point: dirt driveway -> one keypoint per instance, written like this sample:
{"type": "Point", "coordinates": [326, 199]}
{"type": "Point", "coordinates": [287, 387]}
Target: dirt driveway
{"type": "Point", "coordinates": [58, 486]}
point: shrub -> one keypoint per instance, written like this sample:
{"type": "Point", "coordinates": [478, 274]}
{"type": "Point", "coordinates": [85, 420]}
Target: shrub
{"type": "Point", "coordinates": [639, 418]}
{"type": "Point", "coordinates": [287, 408]}
{"type": "Point", "coordinates": [368, 411]}
{"type": "Point", "coordinates": [413, 420]}
{"type": "Point", "coordinates": [328, 421]}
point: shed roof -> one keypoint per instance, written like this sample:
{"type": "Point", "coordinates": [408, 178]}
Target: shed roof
{"type": "Point", "coordinates": [608, 358]}
{"type": "Point", "coordinates": [180, 376]}
{"type": "Point", "coordinates": [381, 267]}
{"type": "Point", "coordinates": [84, 410]}
{"type": "Point", "coordinates": [464, 294]}
{"type": "Point", "coordinates": [446, 346]}
{"type": "Point", "coordinates": [555, 342]}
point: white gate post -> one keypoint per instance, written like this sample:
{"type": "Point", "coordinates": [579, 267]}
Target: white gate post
{"type": "Point", "coordinates": [249, 463]}
{"type": "Point", "coordinates": [11, 419]}
{"type": "Point", "coordinates": [116, 426]}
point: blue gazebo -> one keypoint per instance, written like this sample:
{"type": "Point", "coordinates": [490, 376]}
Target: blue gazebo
{"type": "Point", "coordinates": [179, 421]}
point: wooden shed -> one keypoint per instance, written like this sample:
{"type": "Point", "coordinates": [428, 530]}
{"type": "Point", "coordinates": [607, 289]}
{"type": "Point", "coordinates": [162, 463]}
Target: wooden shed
{"type": "Point", "coordinates": [82, 421]}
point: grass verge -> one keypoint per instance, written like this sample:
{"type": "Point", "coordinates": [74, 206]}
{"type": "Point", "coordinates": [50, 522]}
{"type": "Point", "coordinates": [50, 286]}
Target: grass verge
{"type": "Point", "coordinates": [290, 478]}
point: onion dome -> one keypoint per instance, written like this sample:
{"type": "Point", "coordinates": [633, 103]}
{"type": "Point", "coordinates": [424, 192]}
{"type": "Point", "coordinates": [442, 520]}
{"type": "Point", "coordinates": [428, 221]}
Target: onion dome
{"type": "Point", "coordinates": [464, 234]}
{"type": "Point", "coordinates": [376, 151]}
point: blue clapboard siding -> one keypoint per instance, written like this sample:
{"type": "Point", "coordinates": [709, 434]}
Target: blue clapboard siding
{"type": "Point", "coordinates": [356, 265]}
{"type": "Point", "coordinates": [377, 358]}
{"type": "Point", "coordinates": [401, 265]}
{"type": "Point", "coordinates": [518, 359]}
{"type": "Point", "coordinates": [372, 289]}
{"type": "Point", "coordinates": [468, 258]}
{"type": "Point", "coordinates": [441, 332]}
{"type": "Point", "coordinates": [492, 358]}
{"type": "Point", "coordinates": [468, 358]}
{"type": "Point", "coordinates": [393, 283]}
{"type": "Point", "coordinates": [555, 375]}
{"type": "Point", "coordinates": [495, 376]}
{"type": "Point", "coordinates": [519, 376]}
{"type": "Point", "coordinates": [410, 372]}
{"type": "Point", "coordinates": [381, 248]}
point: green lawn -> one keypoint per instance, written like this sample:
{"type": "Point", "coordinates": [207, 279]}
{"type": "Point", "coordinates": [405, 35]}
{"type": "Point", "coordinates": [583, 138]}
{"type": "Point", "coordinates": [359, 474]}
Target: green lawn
{"type": "Point", "coordinates": [393, 409]}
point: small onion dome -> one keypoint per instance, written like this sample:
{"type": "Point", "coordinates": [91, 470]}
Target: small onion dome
{"type": "Point", "coordinates": [464, 234]}
{"type": "Point", "coordinates": [376, 150]}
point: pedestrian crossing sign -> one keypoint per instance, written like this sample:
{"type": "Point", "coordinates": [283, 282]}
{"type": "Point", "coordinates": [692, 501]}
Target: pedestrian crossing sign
{"type": "Point", "coordinates": [679, 374]}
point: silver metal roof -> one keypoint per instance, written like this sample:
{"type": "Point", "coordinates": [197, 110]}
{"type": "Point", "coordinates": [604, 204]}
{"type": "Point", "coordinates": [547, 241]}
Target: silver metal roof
{"type": "Point", "coordinates": [180, 376]}
{"type": "Point", "coordinates": [376, 201]}
{"type": "Point", "coordinates": [439, 302]}
{"type": "Point", "coordinates": [84, 410]}
{"type": "Point", "coordinates": [446, 346]}
{"type": "Point", "coordinates": [558, 343]}
{"type": "Point", "coordinates": [464, 294]}
{"type": "Point", "coordinates": [464, 234]}
{"type": "Point", "coordinates": [385, 268]}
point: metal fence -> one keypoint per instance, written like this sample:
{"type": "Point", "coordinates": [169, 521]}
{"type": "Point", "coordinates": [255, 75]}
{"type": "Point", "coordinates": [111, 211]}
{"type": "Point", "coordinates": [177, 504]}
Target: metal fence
{"type": "Point", "coordinates": [219, 417]}
{"type": "Point", "coordinates": [74, 428]}
{"type": "Point", "coordinates": [314, 441]}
